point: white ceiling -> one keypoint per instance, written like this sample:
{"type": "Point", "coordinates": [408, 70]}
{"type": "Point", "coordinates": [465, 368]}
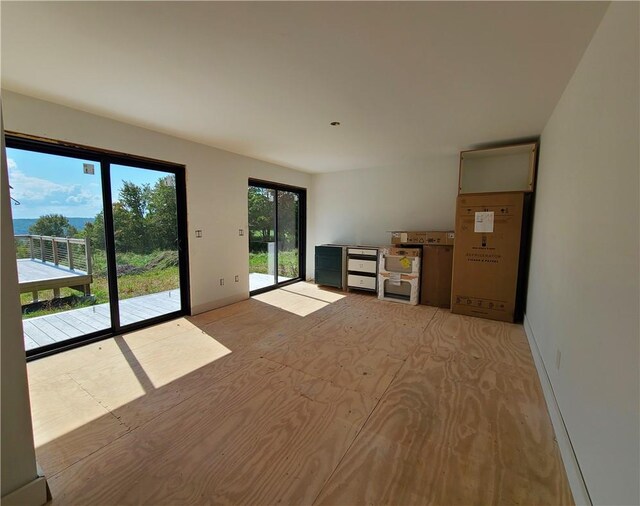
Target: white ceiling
{"type": "Point", "coordinates": [408, 81]}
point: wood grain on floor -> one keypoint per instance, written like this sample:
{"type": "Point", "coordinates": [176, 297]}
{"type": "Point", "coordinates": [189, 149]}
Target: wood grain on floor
{"type": "Point", "coordinates": [300, 396]}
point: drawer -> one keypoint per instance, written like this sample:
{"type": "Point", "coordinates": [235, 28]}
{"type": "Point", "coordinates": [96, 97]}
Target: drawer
{"type": "Point", "coordinates": [364, 252]}
{"type": "Point", "coordinates": [355, 281]}
{"type": "Point", "coordinates": [355, 264]}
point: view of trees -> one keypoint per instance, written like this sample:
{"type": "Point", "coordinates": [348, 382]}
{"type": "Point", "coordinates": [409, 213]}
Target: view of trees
{"type": "Point", "coordinates": [146, 233]}
{"type": "Point", "coordinates": [262, 209]}
{"type": "Point", "coordinates": [144, 218]}
{"type": "Point", "coordinates": [262, 218]}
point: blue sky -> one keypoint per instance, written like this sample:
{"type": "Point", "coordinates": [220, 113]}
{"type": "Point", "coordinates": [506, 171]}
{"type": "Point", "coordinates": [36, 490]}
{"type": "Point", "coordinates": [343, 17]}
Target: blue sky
{"type": "Point", "coordinates": [46, 184]}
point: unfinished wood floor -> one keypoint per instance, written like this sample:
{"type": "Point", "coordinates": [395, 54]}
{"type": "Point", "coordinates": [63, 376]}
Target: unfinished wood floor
{"type": "Point", "coordinates": [300, 396]}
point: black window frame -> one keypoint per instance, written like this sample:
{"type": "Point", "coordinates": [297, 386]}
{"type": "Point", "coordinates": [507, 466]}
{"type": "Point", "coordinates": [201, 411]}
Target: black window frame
{"type": "Point", "coordinates": [106, 158]}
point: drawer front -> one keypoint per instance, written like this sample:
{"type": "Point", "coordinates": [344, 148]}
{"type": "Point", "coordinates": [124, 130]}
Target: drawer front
{"type": "Point", "coordinates": [364, 252]}
{"type": "Point", "coordinates": [355, 264]}
{"type": "Point", "coordinates": [356, 281]}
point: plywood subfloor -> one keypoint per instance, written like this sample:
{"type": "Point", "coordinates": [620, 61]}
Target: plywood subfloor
{"type": "Point", "coordinates": [300, 396]}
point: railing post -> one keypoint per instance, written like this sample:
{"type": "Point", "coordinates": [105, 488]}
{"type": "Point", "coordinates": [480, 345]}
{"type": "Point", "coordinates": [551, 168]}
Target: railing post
{"type": "Point", "coordinates": [54, 249]}
{"type": "Point", "coordinates": [69, 254]}
{"type": "Point", "coordinates": [41, 249]}
{"type": "Point", "coordinates": [31, 246]}
{"type": "Point", "coordinates": [87, 252]}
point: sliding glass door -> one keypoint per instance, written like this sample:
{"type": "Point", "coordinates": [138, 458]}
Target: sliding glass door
{"type": "Point", "coordinates": [277, 216]}
{"type": "Point", "coordinates": [100, 242]}
{"type": "Point", "coordinates": [145, 228]}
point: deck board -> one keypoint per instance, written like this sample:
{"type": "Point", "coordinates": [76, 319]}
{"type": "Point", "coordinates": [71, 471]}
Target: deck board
{"type": "Point", "coordinates": [36, 270]}
{"type": "Point", "coordinates": [35, 275]}
{"type": "Point", "coordinates": [49, 329]}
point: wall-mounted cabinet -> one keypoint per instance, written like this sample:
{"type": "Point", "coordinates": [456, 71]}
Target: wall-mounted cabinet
{"type": "Point", "coordinates": [505, 169]}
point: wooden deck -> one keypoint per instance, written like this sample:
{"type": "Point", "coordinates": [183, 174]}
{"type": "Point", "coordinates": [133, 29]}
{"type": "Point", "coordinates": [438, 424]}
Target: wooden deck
{"type": "Point", "coordinates": [35, 275]}
{"type": "Point", "coordinates": [359, 401]}
{"type": "Point", "coordinates": [257, 280]}
{"type": "Point", "coordinates": [49, 329]}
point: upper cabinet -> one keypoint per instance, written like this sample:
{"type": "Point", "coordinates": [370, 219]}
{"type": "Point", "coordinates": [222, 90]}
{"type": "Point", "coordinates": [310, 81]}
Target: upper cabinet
{"type": "Point", "coordinates": [508, 168]}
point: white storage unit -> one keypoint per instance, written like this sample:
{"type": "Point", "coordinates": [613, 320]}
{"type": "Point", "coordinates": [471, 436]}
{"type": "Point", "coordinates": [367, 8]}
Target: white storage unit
{"type": "Point", "coordinates": [399, 275]}
{"type": "Point", "coordinates": [362, 268]}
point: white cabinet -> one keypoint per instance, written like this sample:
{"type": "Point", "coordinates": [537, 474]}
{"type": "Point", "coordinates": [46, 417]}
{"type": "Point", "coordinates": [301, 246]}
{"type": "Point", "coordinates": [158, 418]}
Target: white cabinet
{"type": "Point", "coordinates": [362, 268]}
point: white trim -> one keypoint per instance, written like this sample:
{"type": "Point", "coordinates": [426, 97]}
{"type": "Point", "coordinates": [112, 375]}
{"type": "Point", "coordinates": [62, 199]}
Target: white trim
{"type": "Point", "coordinates": [571, 465]}
{"type": "Point", "coordinates": [33, 493]}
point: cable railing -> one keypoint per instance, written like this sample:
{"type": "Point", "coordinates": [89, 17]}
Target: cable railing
{"type": "Point", "coordinates": [60, 251]}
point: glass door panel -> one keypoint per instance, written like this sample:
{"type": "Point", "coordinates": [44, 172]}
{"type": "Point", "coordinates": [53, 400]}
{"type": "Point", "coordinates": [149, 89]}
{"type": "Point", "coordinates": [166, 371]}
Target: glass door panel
{"type": "Point", "coordinates": [288, 235]}
{"type": "Point", "coordinates": [276, 235]}
{"type": "Point", "coordinates": [58, 221]}
{"type": "Point", "coordinates": [262, 238]}
{"type": "Point", "coordinates": [145, 225]}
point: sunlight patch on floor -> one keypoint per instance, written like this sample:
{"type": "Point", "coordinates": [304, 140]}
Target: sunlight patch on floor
{"type": "Point", "coordinates": [301, 299]}
{"type": "Point", "coordinates": [132, 366]}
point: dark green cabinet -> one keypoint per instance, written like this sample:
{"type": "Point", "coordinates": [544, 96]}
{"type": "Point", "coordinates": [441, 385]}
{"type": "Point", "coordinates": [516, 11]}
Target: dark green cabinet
{"type": "Point", "coordinates": [329, 268]}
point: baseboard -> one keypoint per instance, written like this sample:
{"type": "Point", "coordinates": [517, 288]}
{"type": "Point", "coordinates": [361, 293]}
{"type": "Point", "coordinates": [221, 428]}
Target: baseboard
{"type": "Point", "coordinates": [34, 493]}
{"type": "Point", "coordinates": [572, 468]}
{"type": "Point", "coordinates": [203, 308]}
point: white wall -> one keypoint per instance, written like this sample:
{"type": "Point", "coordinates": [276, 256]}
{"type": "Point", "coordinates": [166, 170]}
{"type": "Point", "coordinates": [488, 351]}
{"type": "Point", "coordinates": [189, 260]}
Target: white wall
{"type": "Point", "coordinates": [18, 454]}
{"type": "Point", "coordinates": [584, 278]}
{"type": "Point", "coordinates": [216, 187]}
{"type": "Point", "coordinates": [362, 206]}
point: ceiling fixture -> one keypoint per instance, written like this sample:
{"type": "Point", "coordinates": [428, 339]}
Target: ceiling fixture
{"type": "Point", "coordinates": [335, 123]}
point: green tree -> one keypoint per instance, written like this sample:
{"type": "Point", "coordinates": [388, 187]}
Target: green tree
{"type": "Point", "coordinates": [162, 217]}
{"type": "Point", "coordinates": [55, 225]}
{"type": "Point", "coordinates": [261, 213]}
{"type": "Point", "coordinates": [95, 232]}
{"type": "Point", "coordinates": [129, 212]}
{"type": "Point", "coordinates": [288, 208]}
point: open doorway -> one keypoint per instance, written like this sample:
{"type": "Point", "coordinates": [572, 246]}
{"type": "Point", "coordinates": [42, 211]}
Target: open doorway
{"type": "Point", "coordinates": [277, 235]}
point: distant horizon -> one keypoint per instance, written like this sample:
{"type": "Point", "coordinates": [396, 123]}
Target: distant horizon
{"type": "Point", "coordinates": [21, 225]}
{"type": "Point", "coordinates": [68, 217]}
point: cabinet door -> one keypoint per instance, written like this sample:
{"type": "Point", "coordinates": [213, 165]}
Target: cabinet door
{"type": "Point", "coordinates": [328, 266]}
{"type": "Point", "coordinates": [329, 278]}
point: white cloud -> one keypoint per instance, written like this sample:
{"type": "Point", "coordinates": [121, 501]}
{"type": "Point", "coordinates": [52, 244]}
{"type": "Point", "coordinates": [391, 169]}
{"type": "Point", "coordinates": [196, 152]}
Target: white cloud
{"type": "Point", "coordinates": [35, 193]}
{"type": "Point", "coordinates": [84, 197]}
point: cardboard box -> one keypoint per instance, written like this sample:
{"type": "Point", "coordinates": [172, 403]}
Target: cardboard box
{"type": "Point", "coordinates": [399, 275]}
{"type": "Point", "coordinates": [487, 254]}
{"type": "Point", "coordinates": [401, 237]}
{"type": "Point", "coordinates": [396, 287]}
{"type": "Point", "coordinates": [437, 267]}
{"type": "Point", "coordinates": [402, 252]}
